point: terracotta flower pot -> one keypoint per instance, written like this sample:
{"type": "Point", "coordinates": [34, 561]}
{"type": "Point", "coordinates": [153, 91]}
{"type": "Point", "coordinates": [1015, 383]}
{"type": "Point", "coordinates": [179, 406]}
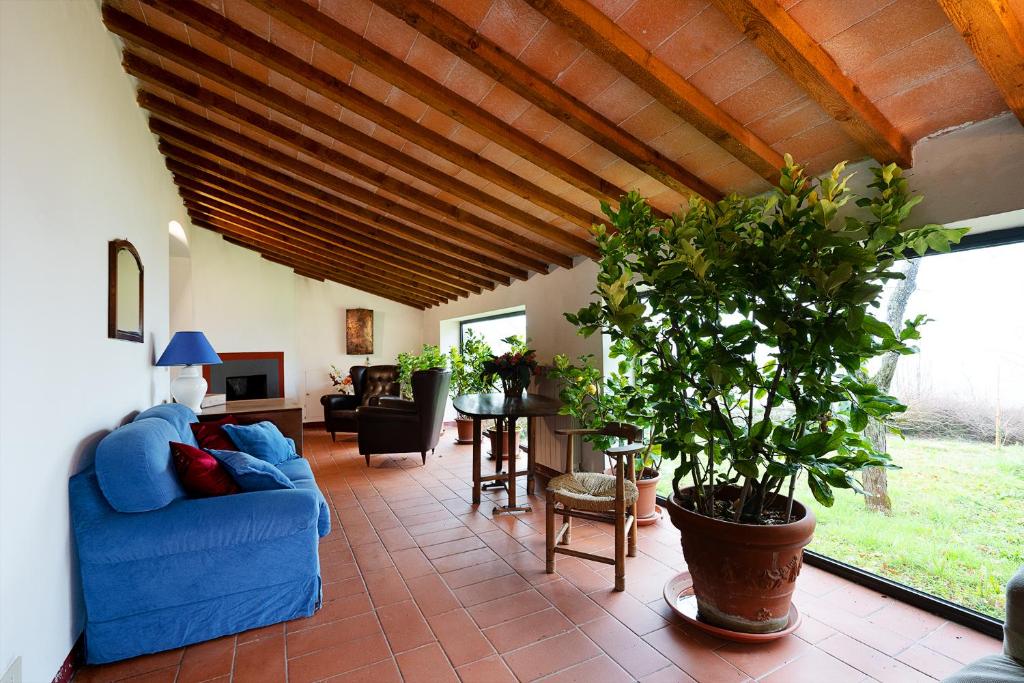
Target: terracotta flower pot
{"type": "Point", "coordinates": [464, 425]}
{"type": "Point", "coordinates": [646, 503]}
{"type": "Point", "coordinates": [743, 574]}
{"type": "Point", "coordinates": [492, 434]}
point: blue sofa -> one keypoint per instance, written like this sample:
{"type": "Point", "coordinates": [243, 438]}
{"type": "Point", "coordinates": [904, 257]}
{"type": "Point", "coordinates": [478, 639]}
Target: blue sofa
{"type": "Point", "coordinates": [161, 570]}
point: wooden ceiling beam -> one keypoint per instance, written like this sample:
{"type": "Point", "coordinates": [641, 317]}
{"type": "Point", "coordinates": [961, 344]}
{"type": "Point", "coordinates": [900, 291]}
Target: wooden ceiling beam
{"type": "Point", "coordinates": [290, 246]}
{"type": "Point", "coordinates": [995, 35]}
{"type": "Point", "coordinates": [322, 230]}
{"type": "Point", "coordinates": [333, 35]}
{"type": "Point", "coordinates": [590, 27]}
{"type": "Point", "coordinates": [350, 259]}
{"type": "Point", "coordinates": [460, 39]}
{"type": "Point", "coordinates": [278, 255]}
{"type": "Point", "coordinates": [289, 193]}
{"type": "Point", "coordinates": [218, 27]}
{"type": "Point", "coordinates": [492, 240]}
{"type": "Point", "coordinates": [189, 148]}
{"type": "Point", "coordinates": [166, 47]}
{"type": "Point", "coordinates": [779, 36]}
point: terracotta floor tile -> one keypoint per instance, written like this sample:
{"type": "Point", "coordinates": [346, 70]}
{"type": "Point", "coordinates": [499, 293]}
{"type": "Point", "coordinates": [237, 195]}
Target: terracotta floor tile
{"type": "Point", "coordinates": [432, 595]}
{"type": "Point", "coordinates": [396, 539]}
{"type": "Point", "coordinates": [551, 655]}
{"type": "Point", "coordinates": [759, 659]}
{"type": "Point", "coordinates": [319, 637]}
{"type": "Point", "coordinates": [385, 671]}
{"type": "Point", "coordinates": [627, 649]}
{"type": "Point", "coordinates": [489, 670]}
{"type": "Point", "coordinates": [411, 563]}
{"type": "Point", "coordinates": [416, 530]}
{"type": "Point", "coordinates": [872, 662]}
{"type": "Point", "coordinates": [929, 662]}
{"type": "Point", "coordinates": [372, 556]}
{"type": "Point", "coordinates": [961, 643]}
{"type": "Point", "coordinates": [168, 675]}
{"type": "Point", "coordinates": [443, 536]}
{"type": "Point", "coordinates": [452, 547]}
{"type": "Point", "coordinates": [386, 586]}
{"type": "Point", "coordinates": [670, 674]}
{"type": "Point", "coordinates": [531, 567]}
{"type": "Point", "coordinates": [517, 633]}
{"type": "Point", "coordinates": [476, 573]}
{"type": "Point", "coordinates": [428, 663]}
{"type": "Point", "coordinates": [814, 667]}
{"type": "Point", "coordinates": [601, 668]}
{"type": "Point", "coordinates": [129, 667]}
{"type": "Point", "coordinates": [696, 660]}
{"type": "Point", "coordinates": [571, 601]}
{"type": "Point", "coordinates": [204, 661]}
{"type": "Point", "coordinates": [260, 660]}
{"type": "Point", "coordinates": [338, 659]}
{"type": "Point", "coordinates": [344, 589]}
{"type": "Point", "coordinates": [491, 589]}
{"type": "Point", "coordinates": [508, 607]}
{"type": "Point", "coordinates": [332, 573]}
{"type": "Point", "coordinates": [465, 559]}
{"type": "Point", "coordinates": [857, 600]}
{"type": "Point", "coordinates": [908, 621]}
{"type": "Point", "coordinates": [257, 633]}
{"type": "Point", "coordinates": [640, 618]}
{"type": "Point", "coordinates": [460, 637]}
{"type": "Point", "coordinates": [404, 626]}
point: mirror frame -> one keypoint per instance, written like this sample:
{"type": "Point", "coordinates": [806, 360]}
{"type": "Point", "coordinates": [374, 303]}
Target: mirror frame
{"type": "Point", "coordinates": [113, 247]}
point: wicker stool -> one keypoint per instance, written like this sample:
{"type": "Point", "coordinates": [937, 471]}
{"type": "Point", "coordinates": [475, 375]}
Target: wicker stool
{"type": "Point", "coordinates": [596, 497]}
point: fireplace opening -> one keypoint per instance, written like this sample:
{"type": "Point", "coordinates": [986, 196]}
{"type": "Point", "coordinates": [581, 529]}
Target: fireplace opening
{"type": "Point", "coordinates": [245, 387]}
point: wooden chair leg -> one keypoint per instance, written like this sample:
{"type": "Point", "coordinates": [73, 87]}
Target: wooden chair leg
{"type": "Point", "coordinates": [620, 529]}
{"type": "Point", "coordinates": [566, 519]}
{"type": "Point", "coordinates": [367, 459]}
{"type": "Point", "coordinates": [549, 531]}
{"type": "Point", "coordinates": [631, 473]}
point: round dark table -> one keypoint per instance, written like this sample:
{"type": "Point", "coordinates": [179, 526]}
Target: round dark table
{"type": "Point", "coordinates": [501, 409]}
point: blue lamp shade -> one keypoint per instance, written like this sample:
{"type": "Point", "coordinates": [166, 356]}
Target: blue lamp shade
{"type": "Point", "coordinates": [189, 348]}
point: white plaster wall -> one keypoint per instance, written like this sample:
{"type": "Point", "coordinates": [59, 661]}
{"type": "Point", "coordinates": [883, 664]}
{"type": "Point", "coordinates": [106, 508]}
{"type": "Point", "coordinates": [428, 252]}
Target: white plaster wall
{"type": "Point", "coordinates": [243, 302]}
{"type": "Point", "coordinates": [79, 168]}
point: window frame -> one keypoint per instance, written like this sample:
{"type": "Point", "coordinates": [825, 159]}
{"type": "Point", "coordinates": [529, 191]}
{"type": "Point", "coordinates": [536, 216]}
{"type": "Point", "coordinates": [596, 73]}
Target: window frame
{"type": "Point", "coordinates": [486, 318]}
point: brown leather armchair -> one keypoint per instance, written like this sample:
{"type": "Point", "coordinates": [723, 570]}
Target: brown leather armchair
{"type": "Point", "coordinates": [370, 384]}
{"type": "Point", "coordinates": [398, 425]}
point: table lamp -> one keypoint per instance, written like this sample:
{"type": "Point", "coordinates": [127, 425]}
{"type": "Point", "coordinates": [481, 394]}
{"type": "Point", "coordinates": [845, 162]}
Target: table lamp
{"type": "Point", "coordinates": [190, 349]}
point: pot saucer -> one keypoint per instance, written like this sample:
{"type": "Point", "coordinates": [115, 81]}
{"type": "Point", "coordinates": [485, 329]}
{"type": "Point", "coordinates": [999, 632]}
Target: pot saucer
{"type": "Point", "coordinates": [679, 596]}
{"type": "Point", "coordinates": [644, 521]}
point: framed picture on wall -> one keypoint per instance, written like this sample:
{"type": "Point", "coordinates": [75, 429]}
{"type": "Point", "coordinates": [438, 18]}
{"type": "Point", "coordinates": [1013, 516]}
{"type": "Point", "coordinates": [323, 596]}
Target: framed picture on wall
{"type": "Point", "coordinates": [358, 331]}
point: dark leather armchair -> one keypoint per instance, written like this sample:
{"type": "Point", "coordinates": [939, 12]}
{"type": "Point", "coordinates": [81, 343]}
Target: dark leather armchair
{"type": "Point", "coordinates": [398, 425]}
{"type": "Point", "coordinates": [370, 384]}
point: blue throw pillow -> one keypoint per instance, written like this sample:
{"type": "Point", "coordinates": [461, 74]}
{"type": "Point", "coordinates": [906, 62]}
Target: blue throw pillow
{"type": "Point", "coordinates": [252, 474]}
{"type": "Point", "coordinates": [262, 440]}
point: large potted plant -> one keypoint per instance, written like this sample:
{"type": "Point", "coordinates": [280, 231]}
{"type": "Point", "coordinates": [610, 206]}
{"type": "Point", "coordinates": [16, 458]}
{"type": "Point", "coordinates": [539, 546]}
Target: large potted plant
{"type": "Point", "coordinates": [467, 364]}
{"type": "Point", "coordinates": [430, 356]}
{"type": "Point", "coordinates": [594, 401]}
{"type": "Point", "coordinates": [751, 321]}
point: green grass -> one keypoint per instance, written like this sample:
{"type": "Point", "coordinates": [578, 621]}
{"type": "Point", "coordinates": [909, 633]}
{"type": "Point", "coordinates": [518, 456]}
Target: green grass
{"type": "Point", "coordinates": [957, 523]}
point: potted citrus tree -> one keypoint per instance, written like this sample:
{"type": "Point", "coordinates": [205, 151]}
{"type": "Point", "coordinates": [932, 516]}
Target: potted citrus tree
{"type": "Point", "coordinates": [752, 322]}
{"type": "Point", "coordinates": [467, 364]}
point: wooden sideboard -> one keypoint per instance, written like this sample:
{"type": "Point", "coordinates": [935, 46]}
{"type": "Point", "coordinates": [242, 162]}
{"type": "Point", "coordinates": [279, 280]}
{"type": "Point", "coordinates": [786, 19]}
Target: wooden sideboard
{"type": "Point", "coordinates": [283, 412]}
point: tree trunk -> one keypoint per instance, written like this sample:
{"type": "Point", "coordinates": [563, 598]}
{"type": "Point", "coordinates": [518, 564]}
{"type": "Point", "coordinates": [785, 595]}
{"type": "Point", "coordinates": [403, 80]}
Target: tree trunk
{"type": "Point", "coordinates": [876, 480]}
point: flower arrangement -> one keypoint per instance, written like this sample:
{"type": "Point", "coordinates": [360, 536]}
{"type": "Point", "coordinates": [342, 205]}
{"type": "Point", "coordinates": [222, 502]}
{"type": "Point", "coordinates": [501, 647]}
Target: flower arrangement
{"type": "Point", "coordinates": [514, 368]}
{"type": "Point", "coordinates": [343, 383]}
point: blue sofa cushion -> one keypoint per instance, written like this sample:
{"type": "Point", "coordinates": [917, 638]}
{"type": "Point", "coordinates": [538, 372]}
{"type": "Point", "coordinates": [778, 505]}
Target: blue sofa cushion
{"type": "Point", "coordinates": [262, 440]}
{"type": "Point", "coordinates": [252, 474]}
{"type": "Point", "coordinates": [178, 415]}
{"type": "Point", "coordinates": [135, 468]}
{"type": "Point", "coordinates": [299, 472]}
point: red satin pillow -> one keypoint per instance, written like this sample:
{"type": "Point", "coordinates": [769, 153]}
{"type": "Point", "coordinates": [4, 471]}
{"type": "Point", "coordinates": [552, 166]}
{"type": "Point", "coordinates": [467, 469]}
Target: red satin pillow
{"type": "Point", "coordinates": [212, 435]}
{"type": "Point", "coordinates": [200, 474]}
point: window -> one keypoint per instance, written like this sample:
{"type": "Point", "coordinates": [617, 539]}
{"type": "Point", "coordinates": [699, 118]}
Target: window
{"type": "Point", "coordinates": [956, 506]}
{"type": "Point", "coordinates": [494, 328]}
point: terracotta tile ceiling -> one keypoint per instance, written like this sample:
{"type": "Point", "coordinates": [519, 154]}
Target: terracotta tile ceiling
{"type": "Point", "coordinates": [425, 151]}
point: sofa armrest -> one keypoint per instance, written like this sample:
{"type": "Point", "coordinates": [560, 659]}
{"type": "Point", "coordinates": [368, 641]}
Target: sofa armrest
{"type": "Point", "coordinates": [397, 403]}
{"type": "Point", "coordinates": [192, 525]}
{"type": "Point", "coordinates": [339, 401]}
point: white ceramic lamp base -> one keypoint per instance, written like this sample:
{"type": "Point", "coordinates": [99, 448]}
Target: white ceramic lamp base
{"type": "Point", "coordinates": [189, 388]}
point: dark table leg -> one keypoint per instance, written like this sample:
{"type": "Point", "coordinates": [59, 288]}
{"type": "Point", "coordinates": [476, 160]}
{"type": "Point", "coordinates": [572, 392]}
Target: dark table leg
{"type": "Point", "coordinates": [476, 461]}
{"type": "Point", "coordinates": [530, 455]}
{"type": "Point", "coordinates": [499, 426]}
{"type": "Point", "coordinates": [511, 462]}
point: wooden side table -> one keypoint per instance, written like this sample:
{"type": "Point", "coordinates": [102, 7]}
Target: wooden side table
{"type": "Point", "coordinates": [504, 410]}
{"type": "Point", "coordinates": [283, 412]}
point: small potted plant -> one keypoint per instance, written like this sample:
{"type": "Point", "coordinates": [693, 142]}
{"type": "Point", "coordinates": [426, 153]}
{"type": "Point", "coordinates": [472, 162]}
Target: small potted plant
{"type": "Point", "coordinates": [467, 365]}
{"type": "Point", "coordinates": [751, 323]}
{"type": "Point", "coordinates": [430, 356]}
{"type": "Point", "coordinates": [515, 368]}
{"type": "Point", "coordinates": [342, 381]}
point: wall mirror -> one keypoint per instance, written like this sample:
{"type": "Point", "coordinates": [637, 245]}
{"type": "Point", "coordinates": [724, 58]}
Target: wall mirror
{"type": "Point", "coordinates": [124, 303]}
